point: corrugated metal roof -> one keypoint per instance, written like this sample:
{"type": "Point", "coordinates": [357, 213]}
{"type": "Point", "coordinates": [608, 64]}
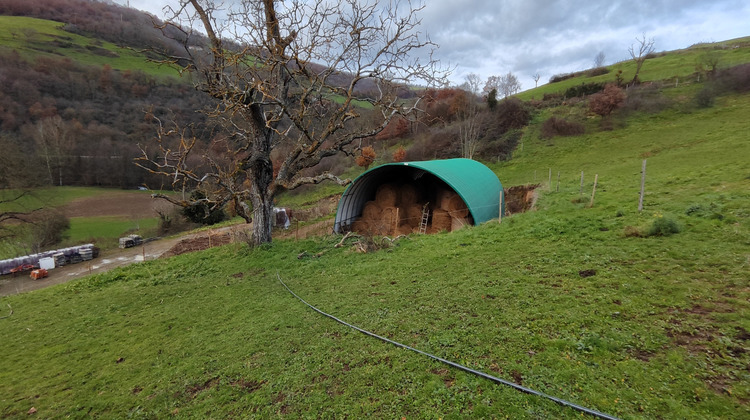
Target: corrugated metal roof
{"type": "Point", "coordinates": [477, 185]}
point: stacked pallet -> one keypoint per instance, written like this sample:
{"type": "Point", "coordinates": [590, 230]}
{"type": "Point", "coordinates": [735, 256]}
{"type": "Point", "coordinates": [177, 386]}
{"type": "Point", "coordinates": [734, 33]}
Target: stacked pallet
{"type": "Point", "coordinates": [398, 209]}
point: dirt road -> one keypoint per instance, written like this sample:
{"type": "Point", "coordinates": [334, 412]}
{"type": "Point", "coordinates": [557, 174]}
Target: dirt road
{"type": "Point", "coordinates": [108, 260]}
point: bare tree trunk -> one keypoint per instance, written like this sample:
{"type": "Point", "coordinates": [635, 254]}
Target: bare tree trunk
{"type": "Point", "coordinates": [261, 197]}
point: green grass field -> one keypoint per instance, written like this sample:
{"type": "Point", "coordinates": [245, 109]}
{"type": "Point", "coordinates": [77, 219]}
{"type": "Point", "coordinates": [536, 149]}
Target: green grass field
{"type": "Point", "coordinates": [676, 67]}
{"type": "Point", "coordinates": [38, 37]}
{"type": "Point", "coordinates": [580, 302]}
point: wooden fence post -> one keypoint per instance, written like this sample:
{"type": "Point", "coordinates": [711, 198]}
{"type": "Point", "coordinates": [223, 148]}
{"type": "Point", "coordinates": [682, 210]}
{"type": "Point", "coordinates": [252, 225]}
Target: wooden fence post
{"type": "Point", "coordinates": [549, 181]}
{"type": "Point", "coordinates": [581, 192]}
{"type": "Point", "coordinates": [593, 191]}
{"type": "Point", "coordinates": [643, 186]}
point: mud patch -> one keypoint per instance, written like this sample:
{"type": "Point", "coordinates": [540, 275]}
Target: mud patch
{"type": "Point", "coordinates": [198, 243]}
{"type": "Point", "coordinates": [520, 198]}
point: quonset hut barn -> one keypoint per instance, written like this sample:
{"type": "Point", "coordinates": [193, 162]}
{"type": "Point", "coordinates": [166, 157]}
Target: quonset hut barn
{"type": "Point", "coordinates": [428, 196]}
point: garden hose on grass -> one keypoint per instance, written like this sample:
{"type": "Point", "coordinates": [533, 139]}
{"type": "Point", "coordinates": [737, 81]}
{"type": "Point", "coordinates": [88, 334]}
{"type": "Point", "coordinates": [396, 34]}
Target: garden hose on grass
{"type": "Point", "coordinates": [456, 365]}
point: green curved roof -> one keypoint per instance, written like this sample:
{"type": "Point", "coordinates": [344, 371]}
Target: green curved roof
{"type": "Point", "coordinates": [477, 185]}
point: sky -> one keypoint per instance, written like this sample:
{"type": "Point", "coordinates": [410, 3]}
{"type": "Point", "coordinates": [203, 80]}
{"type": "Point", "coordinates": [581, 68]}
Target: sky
{"type": "Point", "coordinates": [548, 37]}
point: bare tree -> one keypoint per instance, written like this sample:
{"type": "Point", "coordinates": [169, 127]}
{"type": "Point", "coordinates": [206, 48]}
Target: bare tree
{"type": "Point", "coordinates": [287, 77]}
{"type": "Point", "coordinates": [473, 82]}
{"type": "Point", "coordinates": [599, 59]}
{"type": "Point", "coordinates": [639, 52]}
{"type": "Point", "coordinates": [509, 85]}
{"type": "Point", "coordinates": [536, 78]}
{"type": "Point", "coordinates": [54, 138]}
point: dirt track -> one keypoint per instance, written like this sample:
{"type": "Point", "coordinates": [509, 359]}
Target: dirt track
{"type": "Point", "coordinates": [108, 260]}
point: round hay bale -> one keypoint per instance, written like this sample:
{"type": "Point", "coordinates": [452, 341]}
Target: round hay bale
{"type": "Point", "coordinates": [457, 207]}
{"type": "Point", "coordinates": [443, 198]}
{"type": "Point", "coordinates": [405, 229]}
{"type": "Point", "coordinates": [441, 220]}
{"type": "Point", "coordinates": [457, 223]}
{"type": "Point", "coordinates": [413, 214]}
{"type": "Point", "coordinates": [389, 219]}
{"type": "Point", "coordinates": [361, 226]}
{"type": "Point", "coordinates": [408, 195]}
{"type": "Point", "coordinates": [386, 195]}
{"type": "Point", "coordinates": [371, 211]}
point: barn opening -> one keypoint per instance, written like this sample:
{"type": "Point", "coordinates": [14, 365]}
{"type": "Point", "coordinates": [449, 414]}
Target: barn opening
{"type": "Point", "coordinates": [427, 197]}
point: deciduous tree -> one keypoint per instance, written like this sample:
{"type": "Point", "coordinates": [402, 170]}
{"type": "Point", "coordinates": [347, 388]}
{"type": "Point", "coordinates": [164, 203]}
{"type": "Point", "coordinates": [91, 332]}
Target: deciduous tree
{"type": "Point", "coordinates": [639, 52]}
{"type": "Point", "coordinates": [289, 74]}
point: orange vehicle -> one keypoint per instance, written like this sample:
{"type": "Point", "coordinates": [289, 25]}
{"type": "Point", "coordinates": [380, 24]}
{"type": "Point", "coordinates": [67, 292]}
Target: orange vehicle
{"type": "Point", "coordinates": [39, 273]}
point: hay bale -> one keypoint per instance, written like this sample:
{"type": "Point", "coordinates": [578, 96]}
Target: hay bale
{"type": "Point", "coordinates": [441, 220]}
{"type": "Point", "coordinates": [456, 207]}
{"type": "Point", "coordinates": [443, 198]}
{"type": "Point", "coordinates": [413, 214]}
{"type": "Point", "coordinates": [386, 195]}
{"type": "Point", "coordinates": [361, 226]}
{"type": "Point", "coordinates": [458, 223]}
{"type": "Point", "coordinates": [371, 211]}
{"type": "Point", "coordinates": [389, 219]}
{"type": "Point", "coordinates": [408, 195]}
{"type": "Point", "coordinates": [405, 229]}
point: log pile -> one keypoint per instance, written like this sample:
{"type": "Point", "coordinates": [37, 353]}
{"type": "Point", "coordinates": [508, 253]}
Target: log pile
{"type": "Point", "coordinates": [397, 210]}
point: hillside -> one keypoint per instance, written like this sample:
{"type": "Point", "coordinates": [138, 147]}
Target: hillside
{"type": "Point", "coordinates": [77, 90]}
{"type": "Point", "coordinates": [637, 315]}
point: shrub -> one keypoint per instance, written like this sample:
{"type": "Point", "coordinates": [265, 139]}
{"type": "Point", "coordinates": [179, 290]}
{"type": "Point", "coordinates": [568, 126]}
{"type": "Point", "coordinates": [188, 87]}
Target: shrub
{"type": "Point", "coordinates": [202, 212]}
{"type": "Point", "coordinates": [48, 229]}
{"type": "Point", "coordinates": [584, 89]}
{"type": "Point", "coordinates": [663, 226]}
{"type": "Point", "coordinates": [597, 71]}
{"type": "Point", "coordinates": [706, 97]}
{"type": "Point", "coordinates": [512, 114]}
{"type": "Point", "coordinates": [560, 127]}
{"type": "Point", "coordinates": [607, 101]}
{"type": "Point", "coordinates": [646, 98]}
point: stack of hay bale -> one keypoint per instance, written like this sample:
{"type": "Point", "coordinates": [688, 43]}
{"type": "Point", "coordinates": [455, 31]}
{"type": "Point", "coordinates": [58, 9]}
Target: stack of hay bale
{"type": "Point", "coordinates": [397, 210]}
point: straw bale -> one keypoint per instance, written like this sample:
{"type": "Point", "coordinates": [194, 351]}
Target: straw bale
{"type": "Point", "coordinates": [386, 195]}
{"type": "Point", "coordinates": [414, 214]}
{"type": "Point", "coordinates": [458, 223]}
{"type": "Point", "coordinates": [371, 211]}
{"type": "Point", "coordinates": [408, 194]}
{"type": "Point", "coordinates": [441, 220]}
{"type": "Point", "coordinates": [456, 207]}
{"type": "Point", "coordinates": [405, 229]}
{"type": "Point", "coordinates": [361, 226]}
{"type": "Point", "coordinates": [443, 198]}
{"type": "Point", "coordinates": [388, 219]}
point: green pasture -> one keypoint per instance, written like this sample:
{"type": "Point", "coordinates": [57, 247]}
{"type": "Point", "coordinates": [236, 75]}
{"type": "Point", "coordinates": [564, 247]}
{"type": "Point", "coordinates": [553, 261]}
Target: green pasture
{"type": "Point", "coordinates": [108, 228]}
{"type": "Point", "coordinates": [589, 303]}
{"type": "Point", "coordinates": [33, 37]}
{"type": "Point", "coordinates": [674, 68]}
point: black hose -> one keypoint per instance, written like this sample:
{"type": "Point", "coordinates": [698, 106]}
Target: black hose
{"type": "Point", "coordinates": [456, 365]}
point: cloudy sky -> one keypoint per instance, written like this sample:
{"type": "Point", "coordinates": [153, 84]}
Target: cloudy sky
{"type": "Point", "coordinates": [524, 37]}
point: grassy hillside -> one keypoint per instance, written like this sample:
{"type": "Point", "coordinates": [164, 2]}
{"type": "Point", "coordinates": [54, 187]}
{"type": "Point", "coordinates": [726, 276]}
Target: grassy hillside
{"type": "Point", "coordinates": [675, 67]}
{"type": "Point", "coordinates": [586, 304]}
{"type": "Point", "coordinates": [38, 37]}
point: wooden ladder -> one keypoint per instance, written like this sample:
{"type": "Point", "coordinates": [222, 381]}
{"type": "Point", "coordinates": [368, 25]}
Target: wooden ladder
{"type": "Point", "coordinates": [425, 218]}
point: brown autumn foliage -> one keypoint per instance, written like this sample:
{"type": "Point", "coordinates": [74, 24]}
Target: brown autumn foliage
{"type": "Point", "coordinates": [367, 157]}
{"type": "Point", "coordinates": [608, 100]}
{"type": "Point", "coordinates": [397, 127]}
{"type": "Point", "coordinates": [400, 154]}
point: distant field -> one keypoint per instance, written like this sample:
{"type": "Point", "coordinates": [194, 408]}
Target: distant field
{"type": "Point", "coordinates": [99, 215]}
{"type": "Point", "coordinates": [38, 37]}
